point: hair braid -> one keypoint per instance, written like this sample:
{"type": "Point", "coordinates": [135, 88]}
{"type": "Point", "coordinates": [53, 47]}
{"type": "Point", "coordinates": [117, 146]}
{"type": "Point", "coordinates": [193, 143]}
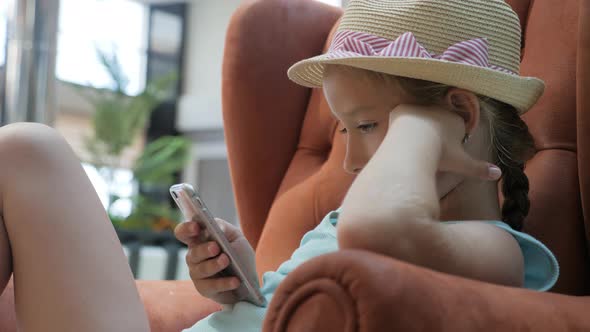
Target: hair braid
{"type": "Point", "coordinates": [515, 188]}
{"type": "Point", "coordinates": [514, 145]}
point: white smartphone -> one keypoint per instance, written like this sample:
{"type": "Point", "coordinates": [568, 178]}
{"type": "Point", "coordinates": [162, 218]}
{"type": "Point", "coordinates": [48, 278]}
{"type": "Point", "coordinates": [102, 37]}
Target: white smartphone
{"type": "Point", "coordinates": [193, 208]}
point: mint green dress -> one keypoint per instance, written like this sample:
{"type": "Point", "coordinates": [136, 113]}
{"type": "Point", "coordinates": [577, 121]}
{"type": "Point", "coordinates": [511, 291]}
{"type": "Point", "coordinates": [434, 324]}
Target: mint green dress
{"type": "Point", "coordinates": [541, 272]}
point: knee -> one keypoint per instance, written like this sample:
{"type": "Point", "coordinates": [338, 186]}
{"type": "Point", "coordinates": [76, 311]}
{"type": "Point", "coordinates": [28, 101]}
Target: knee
{"type": "Point", "coordinates": [31, 140]}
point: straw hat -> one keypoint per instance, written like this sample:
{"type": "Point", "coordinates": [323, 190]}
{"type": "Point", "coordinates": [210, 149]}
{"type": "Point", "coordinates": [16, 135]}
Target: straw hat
{"type": "Point", "coordinates": [470, 44]}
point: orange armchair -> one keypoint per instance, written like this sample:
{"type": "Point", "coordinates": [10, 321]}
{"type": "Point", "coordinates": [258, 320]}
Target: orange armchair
{"type": "Point", "coordinates": [286, 166]}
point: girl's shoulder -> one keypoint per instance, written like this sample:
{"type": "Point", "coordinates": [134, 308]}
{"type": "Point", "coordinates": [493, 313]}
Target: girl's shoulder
{"type": "Point", "coordinates": [541, 266]}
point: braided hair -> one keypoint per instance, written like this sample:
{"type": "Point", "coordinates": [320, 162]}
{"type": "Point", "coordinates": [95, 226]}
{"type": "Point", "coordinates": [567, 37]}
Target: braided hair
{"type": "Point", "coordinates": [514, 145]}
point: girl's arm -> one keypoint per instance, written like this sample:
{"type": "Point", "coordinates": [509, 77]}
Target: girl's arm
{"type": "Point", "coordinates": [393, 208]}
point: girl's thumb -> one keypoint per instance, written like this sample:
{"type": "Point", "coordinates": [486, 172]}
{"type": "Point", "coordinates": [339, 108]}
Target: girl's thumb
{"type": "Point", "coordinates": [482, 170]}
{"type": "Point", "coordinates": [494, 172]}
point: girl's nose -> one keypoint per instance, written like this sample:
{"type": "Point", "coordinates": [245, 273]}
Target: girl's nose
{"type": "Point", "coordinates": [354, 160]}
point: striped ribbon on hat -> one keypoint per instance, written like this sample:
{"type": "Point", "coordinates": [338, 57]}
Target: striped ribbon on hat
{"type": "Point", "coordinates": [351, 43]}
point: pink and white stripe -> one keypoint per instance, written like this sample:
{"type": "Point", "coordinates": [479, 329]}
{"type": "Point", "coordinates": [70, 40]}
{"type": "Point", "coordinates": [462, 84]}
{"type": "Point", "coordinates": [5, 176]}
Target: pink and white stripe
{"type": "Point", "coordinates": [353, 44]}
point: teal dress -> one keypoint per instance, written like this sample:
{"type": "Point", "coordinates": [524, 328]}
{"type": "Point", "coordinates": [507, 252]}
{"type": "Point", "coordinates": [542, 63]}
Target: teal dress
{"type": "Point", "coordinates": [541, 272]}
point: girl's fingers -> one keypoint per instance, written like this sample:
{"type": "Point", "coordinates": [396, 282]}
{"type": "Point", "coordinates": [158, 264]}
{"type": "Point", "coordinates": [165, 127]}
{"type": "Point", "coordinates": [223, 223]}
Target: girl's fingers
{"type": "Point", "coordinates": [208, 268]}
{"type": "Point", "coordinates": [201, 252]}
{"type": "Point", "coordinates": [481, 170]}
{"type": "Point", "coordinates": [464, 164]}
{"type": "Point", "coordinates": [187, 232]}
{"type": "Point", "coordinates": [212, 287]}
{"type": "Point", "coordinates": [494, 172]}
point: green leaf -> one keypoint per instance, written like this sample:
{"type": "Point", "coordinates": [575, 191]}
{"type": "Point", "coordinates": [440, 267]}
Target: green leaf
{"type": "Point", "coordinates": [113, 66]}
{"type": "Point", "coordinates": [118, 119]}
{"type": "Point", "coordinates": [147, 212]}
{"type": "Point", "coordinates": [161, 159]}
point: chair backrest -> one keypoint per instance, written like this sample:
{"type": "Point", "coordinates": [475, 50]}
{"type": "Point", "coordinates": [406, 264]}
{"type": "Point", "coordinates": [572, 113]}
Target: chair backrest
{"type": "Point", "coordinates": [286, 157]}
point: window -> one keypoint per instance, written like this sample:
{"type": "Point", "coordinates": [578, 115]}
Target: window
{"type": "Point", "coordinates": [123, 186]}
{"type": "Point", "coordinates": [3, 36]}
{"type": "Point", "coordinates": [111, 25]}
{"type": "Point", "coordinates": [337, 3]}
{"type": "Point", "coordinates": [166, 42]}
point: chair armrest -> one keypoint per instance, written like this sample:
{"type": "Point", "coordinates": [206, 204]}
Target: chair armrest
{"type": "Point", "coordinates": [353, 290]}
{"type": "Point", "coordinates": [171, 305]}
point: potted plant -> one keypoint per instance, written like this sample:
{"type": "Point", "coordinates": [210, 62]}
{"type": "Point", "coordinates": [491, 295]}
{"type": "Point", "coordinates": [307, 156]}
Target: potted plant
{"type": "Point", "coordinates": [118, 121]}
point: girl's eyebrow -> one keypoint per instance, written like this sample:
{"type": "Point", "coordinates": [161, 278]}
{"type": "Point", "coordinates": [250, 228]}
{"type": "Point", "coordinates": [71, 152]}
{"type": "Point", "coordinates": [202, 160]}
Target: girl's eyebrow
{"type": "Point", "coordinates": [358, 109]}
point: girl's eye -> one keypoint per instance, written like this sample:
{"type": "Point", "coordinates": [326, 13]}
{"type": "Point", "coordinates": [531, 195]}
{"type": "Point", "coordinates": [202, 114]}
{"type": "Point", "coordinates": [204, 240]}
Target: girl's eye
{"type": "Point", "coordinates": [364, 128]}
{"type": "Point", "coordinates": [368, 127]}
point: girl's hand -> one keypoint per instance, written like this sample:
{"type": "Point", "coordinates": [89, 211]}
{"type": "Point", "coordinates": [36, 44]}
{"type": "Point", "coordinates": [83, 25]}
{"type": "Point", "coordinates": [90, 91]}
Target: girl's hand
{"type": "Point", "coordinates": [205, 260]}
{"type": "Point", "coordinates": [440, 125]}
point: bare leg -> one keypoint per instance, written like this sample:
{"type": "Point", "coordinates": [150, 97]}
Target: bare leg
{"type": "Point", "coordinates": [70, 273]}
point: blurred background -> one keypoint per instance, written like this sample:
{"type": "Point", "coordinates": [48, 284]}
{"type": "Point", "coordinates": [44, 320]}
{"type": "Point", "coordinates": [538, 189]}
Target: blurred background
{"type": "Point", "coordinates": [135, 88]}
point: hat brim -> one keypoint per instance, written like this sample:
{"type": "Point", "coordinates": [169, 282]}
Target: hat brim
{"type": "Point", "coordinates": [518, 91]}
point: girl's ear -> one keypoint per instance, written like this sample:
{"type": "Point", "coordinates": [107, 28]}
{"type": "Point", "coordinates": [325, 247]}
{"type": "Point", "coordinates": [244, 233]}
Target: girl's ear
{"type": "Point", "coordinates": [466, 104]}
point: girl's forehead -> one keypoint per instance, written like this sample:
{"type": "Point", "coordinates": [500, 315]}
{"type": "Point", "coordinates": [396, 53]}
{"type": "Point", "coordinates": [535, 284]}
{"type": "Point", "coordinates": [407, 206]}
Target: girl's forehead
{"type": "Point", "coordinates": [361, 87]}
{"type": "Point", "coordinates": [356, 111]}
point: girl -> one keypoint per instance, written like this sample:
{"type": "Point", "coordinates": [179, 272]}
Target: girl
{"type": "Point", "coordinates": [429, 100]}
